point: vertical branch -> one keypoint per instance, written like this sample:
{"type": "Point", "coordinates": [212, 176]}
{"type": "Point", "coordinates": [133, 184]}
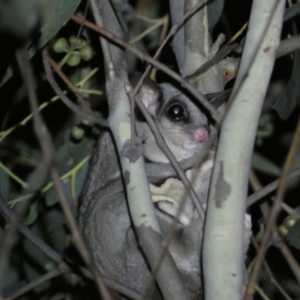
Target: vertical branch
{"type": "Point", "coordinates": [138, 193]}
{"type": "Point", "coordinates": [223, 251]}
{"type": "Point", "coordinates": [193, 47]}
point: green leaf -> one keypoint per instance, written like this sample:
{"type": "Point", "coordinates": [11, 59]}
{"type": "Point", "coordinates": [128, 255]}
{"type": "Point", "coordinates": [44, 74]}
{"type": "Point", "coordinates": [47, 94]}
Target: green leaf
{"type": "Point", "coordinates": [33, 213]}
{"type": "Point", "coordinates": [55, 13]}
{"type": "Point", "coordinates": [70, 155]}
{"type": "Point", "coordinates": [264, 165]}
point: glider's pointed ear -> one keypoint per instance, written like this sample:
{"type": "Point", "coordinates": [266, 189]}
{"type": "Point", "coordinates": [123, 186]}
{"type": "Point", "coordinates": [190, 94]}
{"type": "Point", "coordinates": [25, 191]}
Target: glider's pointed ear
{"type": "Point", "coordinates": [149, 94]}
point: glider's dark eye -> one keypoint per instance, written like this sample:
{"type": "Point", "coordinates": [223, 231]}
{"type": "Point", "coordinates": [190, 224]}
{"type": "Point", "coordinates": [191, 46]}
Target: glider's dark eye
{"type": "Point", "coordinates": [176, 112]}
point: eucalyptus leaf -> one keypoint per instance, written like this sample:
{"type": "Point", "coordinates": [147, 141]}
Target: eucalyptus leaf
{"type": "Point", "coordinates": [33, 213]}
{"type": "Point", "coordinates": [55, 14]}
{"type": "Point", "coordinates": [264, 165]}
{"type": "Point", "coordinates": [68, 157]}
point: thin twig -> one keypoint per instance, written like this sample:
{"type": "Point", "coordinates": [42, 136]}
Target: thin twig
{"type": "Point", "coordinates": [45, 142]}
{"type": "Point", "coordinates": [172, 32]}
{"type": "Point", "coordinates": [273, 279]}
{"type": "Point", "coordinates": [261, 292]}
{"type": "Point", "coordinates": [77, 238]}
{"type": "Point", "coordinates": [274, 211]}
{"type": "Point", "coordinates": [286, 252]}
{"type": "Point", "coordinates": [270, 188]}
{"type": "Point", "coordinates": [7, 213]}
{"type": "Point", "coordinates": [70, 85]}
{"type": "Point", "coordinates": [256, 185]}
{"type": "Point", "coordinates": [76, 109]}
{"type": "Point", "coordinates": [10, 234]}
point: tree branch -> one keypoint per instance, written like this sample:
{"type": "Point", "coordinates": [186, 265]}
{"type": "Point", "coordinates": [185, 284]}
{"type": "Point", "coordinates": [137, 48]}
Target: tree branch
{"type": "Point", "coordinates": [223, 251]}
{"type": "Point", "coordinates": [138, 193]}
